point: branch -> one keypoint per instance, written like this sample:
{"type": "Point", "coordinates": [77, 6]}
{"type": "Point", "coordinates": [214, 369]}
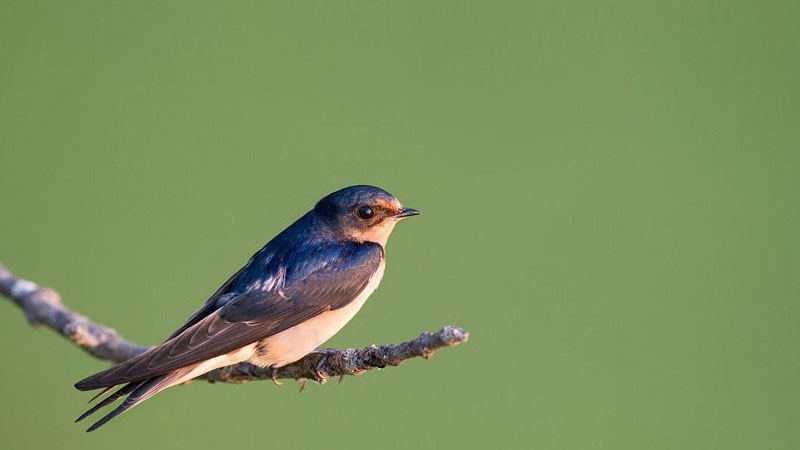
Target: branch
{"type": "Point", "coordinates": [42, 306]}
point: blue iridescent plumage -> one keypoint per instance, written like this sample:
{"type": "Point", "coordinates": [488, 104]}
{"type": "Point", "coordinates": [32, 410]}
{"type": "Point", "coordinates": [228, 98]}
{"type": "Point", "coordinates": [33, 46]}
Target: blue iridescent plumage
{"type": "Point", "coordinates": [320, 263]}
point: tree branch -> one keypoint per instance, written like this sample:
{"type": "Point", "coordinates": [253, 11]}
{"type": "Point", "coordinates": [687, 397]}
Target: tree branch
{"type": "Point", "coordinates": [42, 306]}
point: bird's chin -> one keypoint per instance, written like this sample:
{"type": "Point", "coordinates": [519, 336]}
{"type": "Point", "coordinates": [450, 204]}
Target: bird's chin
{"type": "Point", "coordinates": [380, 232]}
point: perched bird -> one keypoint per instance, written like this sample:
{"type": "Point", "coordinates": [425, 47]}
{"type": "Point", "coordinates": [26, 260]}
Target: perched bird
{"type": "Point", "coordinates": [293, 295]}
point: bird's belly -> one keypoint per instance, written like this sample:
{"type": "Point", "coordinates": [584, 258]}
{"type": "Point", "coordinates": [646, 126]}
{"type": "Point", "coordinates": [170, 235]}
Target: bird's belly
{"type": "Point", "coordinates": [294, 343]}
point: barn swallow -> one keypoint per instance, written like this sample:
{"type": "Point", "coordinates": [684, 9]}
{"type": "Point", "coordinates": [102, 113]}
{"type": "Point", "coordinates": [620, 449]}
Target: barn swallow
{"type": "Point", "coordinates": [293, 295]}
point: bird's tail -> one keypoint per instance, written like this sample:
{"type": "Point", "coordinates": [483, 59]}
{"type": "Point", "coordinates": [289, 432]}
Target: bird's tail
{"type": "Point", "coordinates": [137, 392]}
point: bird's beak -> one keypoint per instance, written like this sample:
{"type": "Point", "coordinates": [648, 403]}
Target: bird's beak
{"type": "Point", "coordinates": [406, 212]}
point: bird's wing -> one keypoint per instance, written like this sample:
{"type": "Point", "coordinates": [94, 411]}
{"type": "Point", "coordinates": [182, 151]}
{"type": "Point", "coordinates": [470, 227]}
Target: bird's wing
{"type": "Point", "coordinates": [324, 279]}
{"type": "Point", "coordinates": [216, 301]}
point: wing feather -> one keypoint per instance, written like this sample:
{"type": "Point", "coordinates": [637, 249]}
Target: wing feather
{"type": "Point", "coordinates": [254, 315]}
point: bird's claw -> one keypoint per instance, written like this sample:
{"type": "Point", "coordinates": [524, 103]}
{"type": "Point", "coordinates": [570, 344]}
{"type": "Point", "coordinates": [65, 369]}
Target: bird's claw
{"type": "Point", "coordinates": [320, 375]}
{"type": "Point", "coordinates": [275, 377]}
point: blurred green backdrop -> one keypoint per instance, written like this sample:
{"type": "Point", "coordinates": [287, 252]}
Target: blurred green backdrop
{"type": "Point", "coordinates": [610, 197]}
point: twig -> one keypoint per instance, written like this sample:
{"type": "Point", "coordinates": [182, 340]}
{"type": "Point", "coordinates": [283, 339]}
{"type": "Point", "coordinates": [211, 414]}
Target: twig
{"type": "Point", "coordinates": [42, 306]}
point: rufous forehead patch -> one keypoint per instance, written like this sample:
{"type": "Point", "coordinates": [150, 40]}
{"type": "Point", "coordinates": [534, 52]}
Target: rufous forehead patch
{"type": "Point", "coordinates": [389, 205]}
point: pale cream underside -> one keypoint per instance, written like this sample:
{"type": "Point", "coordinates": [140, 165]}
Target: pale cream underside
{"type": "Point", "coordinates": [290, 345]}
{"type": "Point", "coordinates": [380, 232]}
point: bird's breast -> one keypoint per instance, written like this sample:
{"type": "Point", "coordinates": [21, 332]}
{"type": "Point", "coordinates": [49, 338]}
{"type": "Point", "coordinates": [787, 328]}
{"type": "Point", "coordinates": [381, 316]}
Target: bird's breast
{"type": "Point", "coordinates": [294, 343]}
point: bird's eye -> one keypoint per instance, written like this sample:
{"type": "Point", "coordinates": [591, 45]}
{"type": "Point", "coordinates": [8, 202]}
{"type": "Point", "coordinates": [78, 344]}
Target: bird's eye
{"type": "Point", "coordinates": [365, 212]}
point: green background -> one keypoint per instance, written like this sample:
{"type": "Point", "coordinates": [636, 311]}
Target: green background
{"type": "Point", "coordinates": [610, 198]}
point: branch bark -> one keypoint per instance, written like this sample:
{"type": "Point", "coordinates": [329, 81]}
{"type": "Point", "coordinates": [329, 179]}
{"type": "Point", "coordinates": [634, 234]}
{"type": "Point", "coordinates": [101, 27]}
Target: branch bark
{"type": "Point", "coordinates": [42, 306]}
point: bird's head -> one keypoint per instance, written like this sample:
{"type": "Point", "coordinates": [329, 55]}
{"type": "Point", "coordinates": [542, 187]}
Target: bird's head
{"type": "Point", "coordinates": [362, 213]}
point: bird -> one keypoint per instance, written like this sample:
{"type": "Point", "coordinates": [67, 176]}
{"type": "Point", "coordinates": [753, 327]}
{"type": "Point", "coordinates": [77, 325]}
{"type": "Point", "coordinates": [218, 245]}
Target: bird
{"type": "Point", "coordinates": [293, 294]}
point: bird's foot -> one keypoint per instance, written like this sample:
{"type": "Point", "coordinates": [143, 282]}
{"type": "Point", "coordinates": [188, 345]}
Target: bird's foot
{"type": "Point", "coordinates": [320, 374]}
{"type": "Point", "coordinates": [275, 371]}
